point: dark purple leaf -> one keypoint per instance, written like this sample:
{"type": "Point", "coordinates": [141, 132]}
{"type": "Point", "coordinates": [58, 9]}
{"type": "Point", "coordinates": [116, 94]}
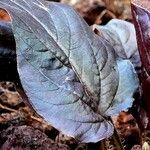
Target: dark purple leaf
{"type": "Point", "coordinates": [141, 17]}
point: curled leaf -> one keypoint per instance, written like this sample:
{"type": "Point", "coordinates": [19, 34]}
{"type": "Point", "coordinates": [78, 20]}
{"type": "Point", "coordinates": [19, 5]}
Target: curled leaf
{"type": "Point", "coordinates": [71, 76]}
{"type": "Point", "coordinates": [141, 18]}
{"type": "Point", "coordinates": [121, 34]}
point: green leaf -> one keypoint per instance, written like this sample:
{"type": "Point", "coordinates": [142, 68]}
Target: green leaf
{"type": "Point", "coordinates": [70, 74]}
